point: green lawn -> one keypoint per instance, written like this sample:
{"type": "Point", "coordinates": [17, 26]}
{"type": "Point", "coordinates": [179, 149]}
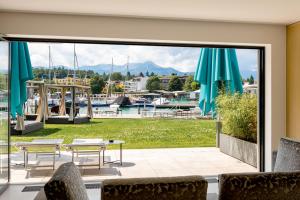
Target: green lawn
{"type": "Point", "coordinates": [137, 133]}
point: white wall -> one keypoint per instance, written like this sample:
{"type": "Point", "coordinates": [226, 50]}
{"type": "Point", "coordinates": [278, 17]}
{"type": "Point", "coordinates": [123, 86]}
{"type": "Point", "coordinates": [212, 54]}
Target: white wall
{"type": "Point", "coordinates": [273, 37]}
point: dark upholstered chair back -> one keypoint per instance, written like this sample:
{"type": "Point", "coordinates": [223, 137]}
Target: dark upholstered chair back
{"type": "Point", "coordinates": [171, 188]}
{"type": "Point", "coordinates": [288, 156]}
{"type": "Point", "coordinates": [260, 186]}
{"type": "Point", "coordinates": [66, 184]}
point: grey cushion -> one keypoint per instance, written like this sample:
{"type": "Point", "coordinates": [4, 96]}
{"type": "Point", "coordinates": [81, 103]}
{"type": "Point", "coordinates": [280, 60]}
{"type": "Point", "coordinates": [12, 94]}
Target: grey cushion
{"type": "Point", "coordinates": [260, 186]}
{"type": "Point", "coordinates": [288, 156]}
{"type": "Point", "coordinates": [66, 184]}
{"type": "Point", "coordinates": [171, 188]}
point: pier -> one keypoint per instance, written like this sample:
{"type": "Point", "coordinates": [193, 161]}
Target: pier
{"type": "Point", "coordinates": [177, 106]}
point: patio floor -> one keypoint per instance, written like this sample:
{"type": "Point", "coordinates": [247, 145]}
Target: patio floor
{"type": "Point", "coordinates": [136, 163]}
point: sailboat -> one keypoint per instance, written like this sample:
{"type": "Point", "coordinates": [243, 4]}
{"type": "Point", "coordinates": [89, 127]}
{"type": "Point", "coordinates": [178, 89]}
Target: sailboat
{"type": "Point", "coordinates": [53, 99]}
{"type": "Point", "coordinates": [109, 87]}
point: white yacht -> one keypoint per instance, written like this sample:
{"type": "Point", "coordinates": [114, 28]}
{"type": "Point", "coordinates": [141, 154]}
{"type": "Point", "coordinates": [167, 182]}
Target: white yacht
{"type": "Point", "coordinates": [160, 101]}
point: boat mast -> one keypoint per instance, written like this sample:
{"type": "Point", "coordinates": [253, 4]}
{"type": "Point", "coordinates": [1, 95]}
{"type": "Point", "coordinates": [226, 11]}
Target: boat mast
{"type": "Point", "coordinates": [127, 68]}
{"type": "Point", "coordinates": [49, 70]}
{"type": "Point", "coordinates": [112, 69]}
{"type": "Point", "coordinates": [147, 70]}
{"type": "Point", "coordinates": [109, 79]}
{"type": "Point", "coordinates": [76, 65]}
{"type": "Point", "coordinates": [74, 74]}
{"type": "Point", "coordinates": [127, 75]}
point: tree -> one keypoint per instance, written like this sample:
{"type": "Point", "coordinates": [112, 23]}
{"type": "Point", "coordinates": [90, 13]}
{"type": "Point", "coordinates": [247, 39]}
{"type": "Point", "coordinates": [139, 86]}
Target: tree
{"type": "Point", "coordinates": [141, 74]}
{"type": "Point", "coordinates": [188, 84]}
{"type": "Point", "coordinates": [128, 76]}
{"type": "Point", "coordinates": [195, 86]}
{"type": "Point", "coordinates": [97, 84]}
{"type": "Point", "coordinates": [60, 72]}
{"type": "Point", "coordinates": [116, 76]}
{"type": "Point", "coordinates": [175, 84]}
{"type": "Point", "coordinates": [152, 74]}
{"type": "Point", "coordinates": [153, 83]}
{"type": "Point", "coordinates": [105, 76]}
{"type": "Point", "coordinates": [118, 88]}
{"type": "Point", "coordinates": [251, 80]}
{"type": "Point", "coordinates": [147, 73]}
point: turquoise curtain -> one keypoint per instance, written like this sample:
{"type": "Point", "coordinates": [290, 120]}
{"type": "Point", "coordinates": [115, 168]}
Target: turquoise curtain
{"type": "Point", "coordinates": [21, 71]}
{"type": "Point", "coordinates": [216, 66]}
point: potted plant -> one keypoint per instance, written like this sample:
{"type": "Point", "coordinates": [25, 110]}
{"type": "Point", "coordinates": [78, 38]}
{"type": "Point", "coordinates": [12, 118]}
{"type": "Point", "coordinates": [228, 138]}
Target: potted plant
{"type": "Point", "coordinates": [238, 114]}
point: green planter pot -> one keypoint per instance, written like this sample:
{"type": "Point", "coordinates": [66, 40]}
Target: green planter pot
{"type": "Point", "coordinates": [239, 149]}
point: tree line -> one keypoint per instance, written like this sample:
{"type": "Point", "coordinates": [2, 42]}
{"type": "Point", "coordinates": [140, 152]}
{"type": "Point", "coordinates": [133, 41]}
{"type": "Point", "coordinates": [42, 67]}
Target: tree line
{"type": "Point", "coordinates": [60, 72]}
{"type": "Point", "coordinates": [98, 81]}
{"type": "Point", "coordinates": [174, 84]}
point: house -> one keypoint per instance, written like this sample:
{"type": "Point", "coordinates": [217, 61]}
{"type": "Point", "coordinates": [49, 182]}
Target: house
{"type": "Point", "coordinates": [251, 89]}
{"type": "Point", "coordinates": [136, 84]}
{"type": "Point", "coordinates": [71, 80]}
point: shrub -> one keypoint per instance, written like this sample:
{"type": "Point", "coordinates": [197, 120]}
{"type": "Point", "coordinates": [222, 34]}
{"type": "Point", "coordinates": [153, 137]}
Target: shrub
{"type": "Point", "coordinates": [238, 113]}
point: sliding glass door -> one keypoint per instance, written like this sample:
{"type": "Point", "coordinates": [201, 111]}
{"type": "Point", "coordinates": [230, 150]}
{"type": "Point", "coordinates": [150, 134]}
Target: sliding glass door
{"type": "Point", "coordinates": [4, 116]}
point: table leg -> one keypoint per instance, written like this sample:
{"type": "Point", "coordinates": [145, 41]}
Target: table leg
{"type": "Point", "coordinates": [99, 158]}
{"type": "Point", "coordinates": [72, 155]}
{"type": "Point", "coordinates": [58, 147]}
{"type": "Point", "coordinates": [24, 154]}
{"type": "Point", "coordinates": [121, 152]}
{"type": "Point", "coordinates": [54, 154]}
{"type": "Point", "coordinates": [26, 163]}
{"type": "Point", "coordinates": [103, 156]}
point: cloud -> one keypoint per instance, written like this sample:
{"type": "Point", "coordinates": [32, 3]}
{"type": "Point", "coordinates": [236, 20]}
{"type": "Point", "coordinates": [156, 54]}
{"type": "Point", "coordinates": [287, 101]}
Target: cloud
{"type": "Point", "coordinates": [181, 58]}
{"type": "Point", "coordinates": [248, 59]}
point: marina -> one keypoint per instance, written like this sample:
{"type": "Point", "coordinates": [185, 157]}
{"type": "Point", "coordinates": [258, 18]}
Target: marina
{"type": "Point", "coordinates": [101, 107]}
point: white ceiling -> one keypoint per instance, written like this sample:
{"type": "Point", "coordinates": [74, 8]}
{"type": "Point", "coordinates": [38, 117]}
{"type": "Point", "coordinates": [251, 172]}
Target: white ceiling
{"type": "Point", "coordinates": [259, 11]}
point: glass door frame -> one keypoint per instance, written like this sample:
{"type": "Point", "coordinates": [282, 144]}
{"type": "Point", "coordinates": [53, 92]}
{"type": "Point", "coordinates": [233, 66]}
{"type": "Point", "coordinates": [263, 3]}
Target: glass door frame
{"type": "Point", "coordinates": [261, 73]}
{"type": "Point", "coordinates": [5, 186]}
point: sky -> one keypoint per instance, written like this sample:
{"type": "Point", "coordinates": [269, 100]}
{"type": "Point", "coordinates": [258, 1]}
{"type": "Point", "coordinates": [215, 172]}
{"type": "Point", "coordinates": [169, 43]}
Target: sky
{"type": "Point", "coordinates": [183, 59]}
{"type": "Point", "coordinates": [3, 56]}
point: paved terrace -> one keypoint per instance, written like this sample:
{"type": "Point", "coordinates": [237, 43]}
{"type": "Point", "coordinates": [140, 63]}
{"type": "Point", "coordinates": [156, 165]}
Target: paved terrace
{"type": "Point", "coordinates": [136, 163]}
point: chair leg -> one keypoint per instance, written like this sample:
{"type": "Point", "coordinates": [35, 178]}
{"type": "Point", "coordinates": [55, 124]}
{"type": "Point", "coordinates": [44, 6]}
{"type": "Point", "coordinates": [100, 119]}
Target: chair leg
{"type": "Point", "coordinates": [72, 155]}
{"type": "Point", "coordinates": [99, 159]}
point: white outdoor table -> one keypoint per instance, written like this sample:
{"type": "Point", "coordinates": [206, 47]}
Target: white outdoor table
{"type": "Point", "coordinates": [80, 143]}
{"type": "Point", "coordinates": [55, 144]}
{"type": "Point", "coordinates": [112, 142]}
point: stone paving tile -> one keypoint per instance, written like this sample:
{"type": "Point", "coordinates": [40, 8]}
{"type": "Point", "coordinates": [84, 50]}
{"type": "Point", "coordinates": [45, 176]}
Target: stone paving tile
{"type": "Point", "coordinates": [136, 163]}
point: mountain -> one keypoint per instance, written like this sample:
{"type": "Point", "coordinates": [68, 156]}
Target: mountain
{"type": "Point", "coordinates": [134, 68]}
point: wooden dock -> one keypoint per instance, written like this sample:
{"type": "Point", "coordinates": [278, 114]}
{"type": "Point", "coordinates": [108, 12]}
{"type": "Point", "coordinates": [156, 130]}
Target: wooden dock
{"type": "Point", "coordinates": [177, 106]}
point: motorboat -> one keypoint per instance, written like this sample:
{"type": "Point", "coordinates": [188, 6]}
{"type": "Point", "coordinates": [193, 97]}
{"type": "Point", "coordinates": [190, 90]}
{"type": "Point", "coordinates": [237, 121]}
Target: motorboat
{"type": "Point", "coordinates": [141, 101]}
{"type": "Point", "coordinates": [114, 106]}
{"type": "Point", "coordinates": [82, 101]}
{"type": "Point", "coordinates": [160, 101]}
{"type": "Point", "coordinates": [53, 99]}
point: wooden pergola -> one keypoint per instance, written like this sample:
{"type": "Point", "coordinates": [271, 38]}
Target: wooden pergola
{"type": "Point", "coordinates": [73, 88]}
{"type": "Point", "coordinates": [43, 112]}
{"type": "Point", "coordinates": [42, 107]}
